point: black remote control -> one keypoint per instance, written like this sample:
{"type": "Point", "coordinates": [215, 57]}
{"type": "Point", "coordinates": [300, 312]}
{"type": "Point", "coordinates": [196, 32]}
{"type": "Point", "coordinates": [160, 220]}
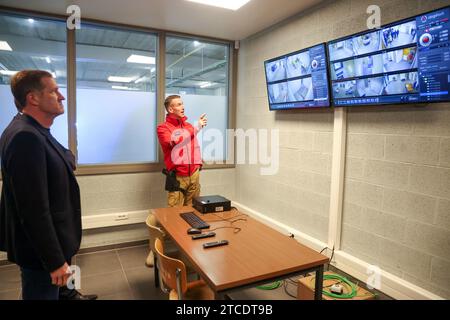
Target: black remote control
{"type": "Point", "coordinates": [203, 235]}
{"type": "Point", "coordinates": [215, 244]}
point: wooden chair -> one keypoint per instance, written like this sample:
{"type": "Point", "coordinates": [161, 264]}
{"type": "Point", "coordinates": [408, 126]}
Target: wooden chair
{"type": "Point", "coordinates": [173, 275]}
{"type": "Point", "coordinates": [156, 232]}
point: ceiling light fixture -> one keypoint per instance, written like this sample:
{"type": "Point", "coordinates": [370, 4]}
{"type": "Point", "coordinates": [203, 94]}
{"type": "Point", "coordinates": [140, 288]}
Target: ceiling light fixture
{"type": "Point", "coordinates": [141, 59]}
{"type": "Point", "coordinates": [48, 59]}
{"type": "Point", "coordinates": [226, 4]}
{"type": "Point", "coordinates": [31, 20]}
{"type": "Point", "coordinates": [120, 79]}
{"type": "Point", "coordinates": [5, 46]}
{"type": "Point", "coordinates": [8, 72]}
{"type": "Point", "coordinates": [123, 88]}
{"type": "Point", "coordinates": [205, 84]}
{"type": "Point", "coordinates": [141, 79]}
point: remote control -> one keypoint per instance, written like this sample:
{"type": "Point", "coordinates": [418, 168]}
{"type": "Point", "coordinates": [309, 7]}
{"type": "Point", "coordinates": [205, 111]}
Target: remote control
{"type": "Point", "coordinates": [215, 244]}
{"type": "Point", "coordinates": [203, 235]}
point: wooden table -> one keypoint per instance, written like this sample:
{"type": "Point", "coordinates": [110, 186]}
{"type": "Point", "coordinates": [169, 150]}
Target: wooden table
{"type": "Point", "coordinates": [256, 254]}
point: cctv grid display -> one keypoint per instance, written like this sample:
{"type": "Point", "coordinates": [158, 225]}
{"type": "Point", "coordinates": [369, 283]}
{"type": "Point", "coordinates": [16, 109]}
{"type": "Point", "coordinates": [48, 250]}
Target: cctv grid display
{"type": "Point", "coordinates": [403, 62]}
{"type": "Point", "coordinates": [298, 79]}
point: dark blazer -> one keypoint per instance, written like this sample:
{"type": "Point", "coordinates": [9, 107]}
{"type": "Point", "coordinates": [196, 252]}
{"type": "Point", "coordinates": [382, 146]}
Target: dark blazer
{"type": "Point", "coordinates": [40, 212]}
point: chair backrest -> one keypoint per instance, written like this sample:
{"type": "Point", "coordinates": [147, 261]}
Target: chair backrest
{"type": "Point", "coordinates": [168, 269]}
{"type": "Point", "coordinates": [153, 230]}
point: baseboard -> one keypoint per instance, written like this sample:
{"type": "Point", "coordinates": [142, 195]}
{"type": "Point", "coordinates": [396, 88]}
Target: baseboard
{"type": "Point", "coordinates": [5, 262]}
{"type": "Point", "coordinates": [104, 221]}
{"type": "Point", "coordinates": [390, 284]}
{"type": "Point", "coordinates": [300, 236]}
{"type": "Point", "coordinates": [113, 219]}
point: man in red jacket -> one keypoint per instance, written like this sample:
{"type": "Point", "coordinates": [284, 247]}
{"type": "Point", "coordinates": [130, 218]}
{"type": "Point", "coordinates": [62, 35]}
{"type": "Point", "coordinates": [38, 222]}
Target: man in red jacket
{"type": "Point", "coordinates": [182, 157]}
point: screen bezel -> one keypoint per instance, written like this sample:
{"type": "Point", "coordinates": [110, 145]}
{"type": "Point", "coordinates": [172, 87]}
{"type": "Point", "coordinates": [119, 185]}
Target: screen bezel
{"type": "Point", "coordinates": [292, 54]}
{"type": "Point", "coordinates": [328, 43]}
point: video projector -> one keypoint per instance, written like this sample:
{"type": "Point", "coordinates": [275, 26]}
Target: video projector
{"type": "Point", "coordinates": [215, 203]}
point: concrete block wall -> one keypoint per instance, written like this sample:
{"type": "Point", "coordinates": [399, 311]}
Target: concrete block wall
{"type": "Point", "coordinates": [298, 195]}
{"type": "Point", "coordinates": [128, 192]}
{"type": "Point", "coordinates": [103, 194]}
{"type": "Point", "coordinates": [397, 191]}
{"type": "Point", "coordinates": [396, 211]}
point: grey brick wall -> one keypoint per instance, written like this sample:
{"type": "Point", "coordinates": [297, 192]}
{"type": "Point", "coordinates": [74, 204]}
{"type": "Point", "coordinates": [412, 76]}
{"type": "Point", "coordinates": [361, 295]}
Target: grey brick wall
{"type": "Point", "coordinates": [397, 184]}
{"type": "Point", "coordinates": [128, 192]}
{"type": "Point", "coordinates": [103, 194]}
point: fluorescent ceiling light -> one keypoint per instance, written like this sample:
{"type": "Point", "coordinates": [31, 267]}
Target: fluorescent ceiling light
{"type": "Point", "coordinates": [205, 84]}
{"type": "Point", "coordinates": [31, 20]}
{"type": "Point", "coordinates": [8, 72]}
{"type": "Point", "coordinates": [122, 88]}
{"type": "Point", "coordinates": [226, 4]}
{"type": "Point", "coordinates": [120, 79]}
{"type": "Point", "coordinates": [5, 46]}
{"type": "Point", "coordinates": [141, 59]}
{"type": "Point", "coordinates": [141, 79]}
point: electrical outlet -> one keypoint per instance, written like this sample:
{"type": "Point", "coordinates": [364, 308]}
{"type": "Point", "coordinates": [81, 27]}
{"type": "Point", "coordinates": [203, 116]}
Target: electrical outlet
{"type": "Point", "coordinates": [121, 216]}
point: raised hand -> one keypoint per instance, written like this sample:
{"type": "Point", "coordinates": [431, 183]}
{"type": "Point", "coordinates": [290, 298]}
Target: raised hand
{"type": "Point", "coordinates": [202, 121]}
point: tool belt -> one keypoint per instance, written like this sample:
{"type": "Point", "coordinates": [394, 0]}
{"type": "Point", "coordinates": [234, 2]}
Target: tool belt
{"type": "Point", "coordinates": [172, 184]}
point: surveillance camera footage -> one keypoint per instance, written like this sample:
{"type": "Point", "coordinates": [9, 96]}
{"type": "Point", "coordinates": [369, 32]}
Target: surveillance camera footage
{"type": "Point", "coordinates": [298, 80]}
{"type": "Point", "coordinates": [404, 62]}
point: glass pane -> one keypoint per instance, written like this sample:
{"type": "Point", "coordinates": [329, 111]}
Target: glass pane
{"type": "Point", "coordinates": [31, 43]}
{"type": "Point", "coordinates": [116, 96]}
{"type": "Point", "coordinates": [198, 72]}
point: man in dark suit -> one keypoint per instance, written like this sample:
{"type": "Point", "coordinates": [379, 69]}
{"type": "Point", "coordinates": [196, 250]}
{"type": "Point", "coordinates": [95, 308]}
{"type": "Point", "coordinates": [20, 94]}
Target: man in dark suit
{"type": "Point", "coordinates": [40, 212]}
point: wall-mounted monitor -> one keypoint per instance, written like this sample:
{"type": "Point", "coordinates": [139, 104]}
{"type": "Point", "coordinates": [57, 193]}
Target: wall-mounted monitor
{"type": "Point", "coordinates": [403, 62]}
{"type": "Point", "coordinates": [298, 80]}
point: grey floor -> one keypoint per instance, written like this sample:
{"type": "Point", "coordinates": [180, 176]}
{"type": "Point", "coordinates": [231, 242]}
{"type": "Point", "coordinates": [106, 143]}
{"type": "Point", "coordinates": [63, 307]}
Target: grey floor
{"type": "Point", "coordinates": [120, 274]}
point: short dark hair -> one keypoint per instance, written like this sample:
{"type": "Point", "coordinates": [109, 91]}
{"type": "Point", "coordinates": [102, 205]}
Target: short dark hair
{"type": "Point", "coordinates": [169, 99]}
{"type": "Point", "coordinates": [25, 81]}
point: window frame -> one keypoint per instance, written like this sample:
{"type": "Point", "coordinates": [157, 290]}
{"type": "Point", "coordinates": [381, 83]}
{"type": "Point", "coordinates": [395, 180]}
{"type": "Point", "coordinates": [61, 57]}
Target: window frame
{"type": "Point", "coordinates": [160, 110]}
{"type": "Point", "coordinates": [232, 89]}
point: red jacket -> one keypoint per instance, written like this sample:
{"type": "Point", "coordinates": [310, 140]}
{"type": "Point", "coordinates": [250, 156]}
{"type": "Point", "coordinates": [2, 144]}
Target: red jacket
{"type": "Point", "coordinates": [180, 146]}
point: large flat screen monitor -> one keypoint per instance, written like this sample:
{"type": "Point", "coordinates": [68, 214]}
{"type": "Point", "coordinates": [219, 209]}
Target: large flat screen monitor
{"type": "Point", "coordinates": [298, 80]}
{"type": "Point", "coordinates": [403, 62]}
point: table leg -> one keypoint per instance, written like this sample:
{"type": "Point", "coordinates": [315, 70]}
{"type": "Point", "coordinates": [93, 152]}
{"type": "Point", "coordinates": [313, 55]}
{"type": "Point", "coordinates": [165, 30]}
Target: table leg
{"type": "Point", "coordinates": [319, 283]}
{"type": "Point", "coordinates": [156, 272]}
{"type": "Point", "coordinates": [221, 296]}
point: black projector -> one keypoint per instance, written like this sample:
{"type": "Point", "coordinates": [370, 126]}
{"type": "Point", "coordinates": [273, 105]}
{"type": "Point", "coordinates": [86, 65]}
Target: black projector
{"type": "Point", "coordinates": [207, 204]}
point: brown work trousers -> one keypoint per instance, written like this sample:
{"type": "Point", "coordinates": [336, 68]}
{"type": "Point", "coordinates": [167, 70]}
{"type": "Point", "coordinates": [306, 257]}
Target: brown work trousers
{"type": "Point", "coordinates": [192, 186]}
